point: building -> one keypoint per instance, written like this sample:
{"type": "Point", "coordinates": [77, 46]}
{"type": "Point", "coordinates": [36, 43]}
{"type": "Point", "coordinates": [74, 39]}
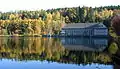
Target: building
{"type": "Point", "coordinates": [84, 29]}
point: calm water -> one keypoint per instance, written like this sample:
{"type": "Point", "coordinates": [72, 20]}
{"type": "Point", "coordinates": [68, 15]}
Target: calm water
{"type": "Point", "coordinates": [54, 53]}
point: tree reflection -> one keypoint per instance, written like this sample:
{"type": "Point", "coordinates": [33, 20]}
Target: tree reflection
{"type": "Point", "coordinates": [50, 49]}
{"type": "Point", "coordinates": [114, 51]}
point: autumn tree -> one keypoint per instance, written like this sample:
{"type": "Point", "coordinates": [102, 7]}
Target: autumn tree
{"type": "Point", "coordinates": [116, 24]}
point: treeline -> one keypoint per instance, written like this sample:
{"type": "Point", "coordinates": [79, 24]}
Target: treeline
{"type": "Point", "coordinates": [88, 14]}
{"type": "Point", "coordinates": [50, 21]}
{"type": "Point", "coordinates": [19, 23]}
{"type": "Point", "coordinates": [71, 15]}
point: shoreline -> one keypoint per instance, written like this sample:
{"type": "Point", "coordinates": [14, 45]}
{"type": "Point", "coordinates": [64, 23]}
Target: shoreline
{"type": "Point", "coordinates": [53, 36]}
{"type": "Point", "coordinates": [20, 35]}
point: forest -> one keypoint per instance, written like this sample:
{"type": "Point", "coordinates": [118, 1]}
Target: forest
{"type": "Point", "coordinates": [41, 22]}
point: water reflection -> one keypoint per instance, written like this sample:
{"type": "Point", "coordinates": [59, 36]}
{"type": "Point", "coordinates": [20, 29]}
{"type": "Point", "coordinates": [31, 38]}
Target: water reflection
{"type": "Point", "coordinates": [114, 50]}
{"type": "Point", "coordinates": [24, 48]}
{"type": "Point", "coordinates": [86, 44]}
{"type": "Point", "coordinates": [54, 50]}
{"type": "Point", "coordinates": [30, 48]}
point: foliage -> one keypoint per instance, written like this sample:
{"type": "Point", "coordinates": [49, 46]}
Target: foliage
{"type": "Point", "coordinates": [36, 26]}
{"type": "Point", "coordinates": [113, 48]}
{"type": "Point", "coordinates": [116, 23]}
{"type": "Point", "coordinates": [112, 32]}
{"type": "Point", "coordinates": [50, 21]}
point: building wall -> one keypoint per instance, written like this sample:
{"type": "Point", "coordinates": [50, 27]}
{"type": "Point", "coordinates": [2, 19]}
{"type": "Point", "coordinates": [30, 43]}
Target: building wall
{"type": "Point", "coordinates": [85, 31]}
{"type": "Point", "coordinates": [100, 31]}
{"type": "Point", "coordinates": [78, 32]}
{"type": "Point", "coordinates": [74, 32]}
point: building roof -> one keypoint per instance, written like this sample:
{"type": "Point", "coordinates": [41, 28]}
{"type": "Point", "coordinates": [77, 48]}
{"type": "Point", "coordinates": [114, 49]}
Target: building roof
{"type": "Point", "coordinates": [85, 25]}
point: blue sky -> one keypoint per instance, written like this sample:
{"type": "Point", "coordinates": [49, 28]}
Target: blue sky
{"type": "Point", "coordinates": [11, 5]}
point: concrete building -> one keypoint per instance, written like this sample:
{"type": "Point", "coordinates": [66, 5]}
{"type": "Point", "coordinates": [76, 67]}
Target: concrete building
{"type": "Point", "coordinates": [84, 29]}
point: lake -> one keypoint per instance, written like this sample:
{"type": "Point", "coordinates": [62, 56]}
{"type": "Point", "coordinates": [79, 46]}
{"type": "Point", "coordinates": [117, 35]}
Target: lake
{"type": "Point", "coordinates": [54, 53]}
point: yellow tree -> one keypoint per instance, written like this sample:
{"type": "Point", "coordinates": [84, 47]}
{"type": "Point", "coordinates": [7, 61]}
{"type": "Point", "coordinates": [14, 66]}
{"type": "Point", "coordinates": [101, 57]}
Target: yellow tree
{"type": "Point", "coordinates": [29, 28]}
{"type": "Point", "coordinates": [37, 29]}
{"type": "Point", "coordinates": [13, 16]}
{"type": "Point", "coordinates": [48, 23]}
{"type": "Point", "coordinates": [42, 26]}
{"type": "Point", "coordinates": [57, 22]}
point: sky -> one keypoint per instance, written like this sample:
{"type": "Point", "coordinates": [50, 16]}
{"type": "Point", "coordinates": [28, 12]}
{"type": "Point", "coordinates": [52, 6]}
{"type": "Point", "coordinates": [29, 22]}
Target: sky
{"type": "Point", "coordinates": [12, 5]}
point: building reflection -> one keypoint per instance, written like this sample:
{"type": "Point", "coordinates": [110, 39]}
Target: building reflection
{"type": "Point", "coordinates": [84, 43]}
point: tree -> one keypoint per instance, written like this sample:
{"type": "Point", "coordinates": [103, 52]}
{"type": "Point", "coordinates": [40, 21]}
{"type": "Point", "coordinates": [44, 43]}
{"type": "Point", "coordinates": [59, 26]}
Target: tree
{"type": "Point", "coordinates": [113, 48]}
{"type": "Point", "coordinates": [82, 14]}
{"type": "Point", "coordinates": [48, 23]}
{"type": "Point", "coordinates": [90, 15]}
{"type": "Point", "coordinates": [116, 23]}
{"type": "Point", "coordinates": [67, 20]}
